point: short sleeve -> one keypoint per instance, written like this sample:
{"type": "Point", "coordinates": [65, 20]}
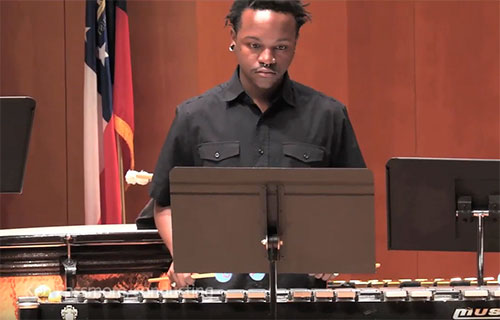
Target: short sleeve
{"type": "Point", "coordinates": [176, 151]}
{"type": "Point", "coordinates": [347, 153]}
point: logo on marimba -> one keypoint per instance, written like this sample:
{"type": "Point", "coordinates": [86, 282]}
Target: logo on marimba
{"type": "Point", "coordinates": [69, 313]}
{"type": "Point", "coordinates": [476, 313]}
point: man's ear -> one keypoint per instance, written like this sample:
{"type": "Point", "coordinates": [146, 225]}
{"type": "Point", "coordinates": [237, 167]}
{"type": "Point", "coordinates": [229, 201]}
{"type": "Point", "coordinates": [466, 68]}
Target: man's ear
{"type": "Point", "coordinates": [233, 34]}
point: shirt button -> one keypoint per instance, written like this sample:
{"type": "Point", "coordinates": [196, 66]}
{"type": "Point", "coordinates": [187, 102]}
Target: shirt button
{"type": "Point", "coordinates": [217, 155]}
{"type": "Point", "coordinates": [261, 152]}
{"type": "Point", "coordinates": [306, 156]}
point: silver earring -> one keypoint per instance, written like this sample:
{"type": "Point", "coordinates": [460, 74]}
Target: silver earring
{"type": "Point", "coordinates": [231, 47]}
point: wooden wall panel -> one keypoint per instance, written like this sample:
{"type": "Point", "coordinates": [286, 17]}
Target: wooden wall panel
{"type": "Point", "coordinates": [381, 100]}
{"type": "Point", "coordinates": [457, 46]}
{"type": "Point", "coordinates": [321, 55]}
{"type": "Point", "coordinates": [216, 63]}
{"type": "Point", "coordinates": [32, 63]}
{"type": "Point", "coordinates": [164, 71]}
{"type": "Point", "coordinates": [74, 12]}
{"type": "Point", "coordinates": [457, 99]}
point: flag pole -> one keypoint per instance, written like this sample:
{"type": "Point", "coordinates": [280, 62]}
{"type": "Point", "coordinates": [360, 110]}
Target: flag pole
{"type": "Point", "coordinates": [122, 182]}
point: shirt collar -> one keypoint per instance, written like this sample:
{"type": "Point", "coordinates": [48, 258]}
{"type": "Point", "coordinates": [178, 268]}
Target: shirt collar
{"type": "Point", "coordinates": [233, 89]}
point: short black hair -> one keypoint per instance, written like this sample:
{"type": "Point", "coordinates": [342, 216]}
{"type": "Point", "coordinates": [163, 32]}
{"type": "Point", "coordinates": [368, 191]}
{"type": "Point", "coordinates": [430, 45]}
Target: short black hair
{"type": "Point", "coordinates": [294, 7]}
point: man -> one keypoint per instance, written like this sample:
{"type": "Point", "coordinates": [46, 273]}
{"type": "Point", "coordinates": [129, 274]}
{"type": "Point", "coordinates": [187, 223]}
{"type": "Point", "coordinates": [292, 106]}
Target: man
{"type": "Point", "coordinates": [258, 118]}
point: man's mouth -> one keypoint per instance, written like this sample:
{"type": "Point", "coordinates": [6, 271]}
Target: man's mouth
{"type": "Point", "coordinates": [264, 72]}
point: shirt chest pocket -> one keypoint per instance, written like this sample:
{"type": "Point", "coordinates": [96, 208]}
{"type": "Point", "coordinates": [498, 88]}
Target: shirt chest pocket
{"type": "Point", "coordinates": [219, 154]}
{"type": "Point", "coordinates": [304, 155]}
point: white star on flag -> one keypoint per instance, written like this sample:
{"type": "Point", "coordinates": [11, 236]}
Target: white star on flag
{"type": "Point", "coordinates": [103, 54]}
{"type": "Point", "coordinates": [86, 30]}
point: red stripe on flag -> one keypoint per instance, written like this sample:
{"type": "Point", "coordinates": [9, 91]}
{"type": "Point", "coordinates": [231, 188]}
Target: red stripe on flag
{"type": "Point", "coordinates": [123, 98]}
{"type": "Point", "coordinates": [111, 204]}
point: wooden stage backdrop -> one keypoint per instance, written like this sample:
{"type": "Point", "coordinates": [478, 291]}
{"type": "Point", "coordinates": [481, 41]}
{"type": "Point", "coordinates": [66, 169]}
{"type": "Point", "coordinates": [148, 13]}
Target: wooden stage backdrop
{"type": "Point", "coordinates": [420, 78]}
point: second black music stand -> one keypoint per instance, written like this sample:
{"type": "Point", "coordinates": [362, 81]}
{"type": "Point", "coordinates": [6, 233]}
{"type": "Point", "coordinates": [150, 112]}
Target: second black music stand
{"type": "Point", "coordinates": [444, 205]}
{"type": "Point", "coordinates": [243, 220]}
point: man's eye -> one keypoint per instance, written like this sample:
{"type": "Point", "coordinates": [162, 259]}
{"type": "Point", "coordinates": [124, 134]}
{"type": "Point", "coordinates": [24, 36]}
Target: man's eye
{"type": "Point", "coordinates": [254, 45]}
{"type": "Point", "coordinates": [281, 47]}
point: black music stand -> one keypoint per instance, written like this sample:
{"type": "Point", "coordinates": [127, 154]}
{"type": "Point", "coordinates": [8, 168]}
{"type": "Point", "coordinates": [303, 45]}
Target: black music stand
{"type": "Point", "coordinates": [309, 220]}
{"type": "Point", "coordinates": [16, 118]}
{"type": "Point", "coordinates": [433, 205]}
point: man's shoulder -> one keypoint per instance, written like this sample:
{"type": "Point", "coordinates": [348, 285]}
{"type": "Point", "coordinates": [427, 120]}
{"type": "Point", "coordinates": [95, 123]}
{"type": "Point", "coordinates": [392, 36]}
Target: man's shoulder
{"type": "Point", "coordinates": [306, 95]}
{"type": "Point", "coordinates": [205, 101]}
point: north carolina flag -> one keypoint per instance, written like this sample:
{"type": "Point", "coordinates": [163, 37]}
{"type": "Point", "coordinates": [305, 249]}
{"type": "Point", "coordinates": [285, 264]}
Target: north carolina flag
{"type": "Point", "coordinates": [108, 110]}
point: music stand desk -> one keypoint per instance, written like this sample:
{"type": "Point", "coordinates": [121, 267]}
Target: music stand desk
{"type": "Point", "coordinates": [220, 217]}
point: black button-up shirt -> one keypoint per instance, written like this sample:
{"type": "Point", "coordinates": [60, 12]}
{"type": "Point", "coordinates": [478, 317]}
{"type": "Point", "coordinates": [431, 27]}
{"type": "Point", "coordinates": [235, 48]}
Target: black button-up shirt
{"type": "Point", "coordinates": [224, 127]}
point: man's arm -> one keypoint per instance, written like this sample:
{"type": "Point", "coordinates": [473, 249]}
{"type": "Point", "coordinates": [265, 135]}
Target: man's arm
{"type": "Point", "coordinates": [163, 221]}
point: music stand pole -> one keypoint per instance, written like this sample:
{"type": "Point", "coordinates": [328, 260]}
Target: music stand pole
{"type": "Point", "coordinates": [480, 214]}
{"type": "Point", "coordinates": [273, 244]}
{"type": "Point", "coordinates": [464, 211]}
{"type": "Point", "coordinates": [272, 198]}
{"type": "Point", "coordinates": [493, 212]}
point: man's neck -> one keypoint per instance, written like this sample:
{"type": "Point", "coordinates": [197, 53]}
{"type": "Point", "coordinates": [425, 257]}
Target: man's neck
{"type": "Point", "coordinates": [261, 97]}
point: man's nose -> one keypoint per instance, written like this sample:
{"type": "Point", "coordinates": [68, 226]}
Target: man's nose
{"type": "Point", "coordinates": [266, 57]}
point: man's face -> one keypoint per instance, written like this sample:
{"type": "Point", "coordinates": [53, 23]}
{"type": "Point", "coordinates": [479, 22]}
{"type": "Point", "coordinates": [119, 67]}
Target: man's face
{"type": "Point", "coordinates": [265, 45]}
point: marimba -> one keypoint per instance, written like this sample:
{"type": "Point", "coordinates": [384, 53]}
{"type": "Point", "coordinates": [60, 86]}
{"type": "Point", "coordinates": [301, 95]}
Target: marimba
{"type": "Point", "coordinates": [444, 302]}
{"type": "Point", "coordinates": [95, 250]}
